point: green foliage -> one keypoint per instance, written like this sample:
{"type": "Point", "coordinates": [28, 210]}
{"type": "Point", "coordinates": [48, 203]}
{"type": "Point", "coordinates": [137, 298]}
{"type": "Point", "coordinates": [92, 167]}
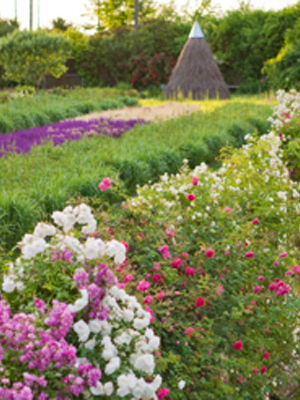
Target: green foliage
{"type": "Point", "coordinates": [103, 62]}
{"type": "Point", "coordinates": [283, 71]}
{"type": "Point", "coordinates": [60, 24]}
{"type": "Point", "coordinates": [8, 26]}
{"type": "Point", "coordinates": [29, 56]}
{"type": "Point", "coordinates": [115, 13]}
{"type": "Point", "coordinates": [48, 177]}
{"type": "Point", "coordinates": [20, 111]}
{"type": "Point", "coordinates": [244, 39]}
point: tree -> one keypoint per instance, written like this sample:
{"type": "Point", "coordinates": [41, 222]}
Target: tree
{"type": "Point", "coordinates": [60, 24]}
{"type": "Point", "coordinates": [8, 26]}
{"type": "Point", "coordinates": [115, 13]}
{"type": "Point", "coordinates": [29, 56]}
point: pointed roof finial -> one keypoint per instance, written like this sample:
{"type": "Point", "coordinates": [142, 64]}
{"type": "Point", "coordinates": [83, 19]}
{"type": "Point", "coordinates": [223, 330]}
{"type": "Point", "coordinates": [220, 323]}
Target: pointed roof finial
{"type": "Point", "coordinates": [196, 31]}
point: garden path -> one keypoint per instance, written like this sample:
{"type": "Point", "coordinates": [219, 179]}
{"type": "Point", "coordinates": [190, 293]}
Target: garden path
{"type": "Point", "coordinates": [161, 112]}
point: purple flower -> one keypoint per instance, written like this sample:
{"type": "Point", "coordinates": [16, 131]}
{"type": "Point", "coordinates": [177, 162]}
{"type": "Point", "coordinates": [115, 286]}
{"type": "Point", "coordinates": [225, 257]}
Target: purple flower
{"type": "Point", "coordinates": [23, 140]}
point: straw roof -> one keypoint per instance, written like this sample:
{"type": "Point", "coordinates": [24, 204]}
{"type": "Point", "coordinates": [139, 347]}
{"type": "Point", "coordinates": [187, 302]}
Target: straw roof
{"type": "Point", "coordinates": [196, 71]}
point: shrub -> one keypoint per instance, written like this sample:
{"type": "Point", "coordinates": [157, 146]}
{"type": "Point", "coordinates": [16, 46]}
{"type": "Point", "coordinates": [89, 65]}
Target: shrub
{"type": "Point", "coordinates": [150, 71]}
{"type": "Point", "coordinates": [93, 339]}
{"type": "Point", "coordinates": [219, 252]}
{"type": "Point", "coordinates": [285, 123]}
{"type": "Point", "coordinates": [29, 56]}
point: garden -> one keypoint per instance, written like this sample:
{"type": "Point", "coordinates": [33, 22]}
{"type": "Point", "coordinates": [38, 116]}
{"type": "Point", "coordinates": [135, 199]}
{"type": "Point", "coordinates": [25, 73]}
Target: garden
{"type": "Point", "coordinates": [166, 269]}
{"type": "Point", "coordinates": [149, 258]}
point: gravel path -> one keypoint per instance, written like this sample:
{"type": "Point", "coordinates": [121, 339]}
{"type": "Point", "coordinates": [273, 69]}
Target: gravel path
{"type": "Point", "coordinates": [165, 111]}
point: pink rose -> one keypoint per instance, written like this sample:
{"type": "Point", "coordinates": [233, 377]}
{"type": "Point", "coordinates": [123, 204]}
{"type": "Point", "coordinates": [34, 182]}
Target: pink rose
{"type": "Point", "coordinates": [160, 296]}
{"type": "Point", "coordinates": [189, 331]}
{"type": "Point", "coordinates": [143, 286]}
{"type": "Point", "coordinates": [105, 184]}
{"type": "Point", "coordinates": [176, 263]}
{"type": "Point", "coordinates": [195, 181]}
{"type": "Point", "coordinates": [257, 289]}
{"type": "Point", "coordinates": [148, 300]}
{"type": "Point", "coordinates": [210, 253]}
{"type": "Point", "coordinates": [191, 197]}
{"type": "Point", "coordinates": [190, 271]}
{"type": "Point", "coordinates": [128, 278]}
{"type": "Point", "coordinates": [163, 393]}
{"type": "Point", "coordinates": [249, 254]}
{"type": "Point", "coordinates": [148, 309]}
{"type": "Point", "coordinates": [255, 221]}
{"type": "Point", "coordinates": [238, 345]}
{"type": "Point", "coordinates": [156, 278]}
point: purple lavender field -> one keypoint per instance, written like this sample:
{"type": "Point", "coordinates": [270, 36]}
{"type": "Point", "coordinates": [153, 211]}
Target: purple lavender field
{"type": "Point", "coordinates": [23, 140]}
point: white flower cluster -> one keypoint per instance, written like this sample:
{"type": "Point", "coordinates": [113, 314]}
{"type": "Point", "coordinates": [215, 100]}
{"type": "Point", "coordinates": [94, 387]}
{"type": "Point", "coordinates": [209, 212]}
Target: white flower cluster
{"type": "Point", "coordinates": [256, 171]}
{"type": "Point", "coordinates": [81, 214]}
{"type": "Point", "coordinates": [126, 341]}
{"type": "Point", "coordinates": [34, 244]}
{"type": "Point", "coordinates": [288, 107]}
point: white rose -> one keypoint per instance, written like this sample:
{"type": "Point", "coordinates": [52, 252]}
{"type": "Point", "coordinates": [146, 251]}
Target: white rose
{"type": "Point", "coordinates": [145, 363]}
{"type": "Point", "coordinates": [82, 329]}
{"type": "Point", "coordinates": [181, 385]}
{"type": "Point", "coordinates": [100, 389]}
{"type": "Point", "coordinates": [109, 352]}
{"type": "Point", "coordinates": [69, 222]}
{"type": "Point", "coordinates": [8, 285]}
{"type": "Point", "coordinates": [37, 246]}
{"type": "Point", "coordinates": [123, 338]}
{"type": "Point", "coordinates": [139, 323]}
{"type": "Point", "coordinates": [90, 227]}
{"type": "Point", "coordinates": [80, 303]}
{"type": "Point", "coordinates": [82, 209]}
{"type": "Point", "coordinates": [128, 315]}
{"type": "Point", "coordinates": [117, 250]}
{"type": "Point", "coordinates": [93, 248]}
{"type": "Point", "coordinates": [97, 326]}
{"type": "Point", "coordinates": [112, 366]}
{"type": "Point", "coordinates": [90, 344]}
{"type": "Point", "coordinates": [126, 384]}
{"type": "Point", "coordinates": [20, 286]}
{"type": "Point", "coordinates": [42, 230]}
{"type": "Point", "coordinates": [58, 217]}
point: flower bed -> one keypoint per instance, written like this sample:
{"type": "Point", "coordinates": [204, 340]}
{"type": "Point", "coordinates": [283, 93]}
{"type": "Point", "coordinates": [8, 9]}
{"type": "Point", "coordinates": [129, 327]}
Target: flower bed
{"type": "Point", "coordinates": [214, 255]}
{"type": "Point", "coordinates": [66, 329]}
{"type": "Point", "coordinates": [23, 141]}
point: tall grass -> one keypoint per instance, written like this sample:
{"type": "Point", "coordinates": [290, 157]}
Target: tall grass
{"type": "Point", "coordinates": [32, 186]}
{"type": "Point", "coordinates": [43, 108]}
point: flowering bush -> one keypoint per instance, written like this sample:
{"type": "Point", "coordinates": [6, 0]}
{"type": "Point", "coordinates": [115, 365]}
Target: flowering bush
{"type": "Point", "coordinates": [150, 71]}
{"type": "Point", "coordinates": [66, 329]}
{"type": "Point", "coordinates": [285, 122]}
{"type": "Point", "coordinates": [213, 256]}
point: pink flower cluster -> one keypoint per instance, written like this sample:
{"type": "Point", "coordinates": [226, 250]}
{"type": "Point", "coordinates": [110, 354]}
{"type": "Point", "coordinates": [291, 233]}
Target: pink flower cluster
{"type": "Point", "coordinates": [31, 347]}
{"type": "Point", "coordinates": [95, 281]}
{"type": "Point", "coordinates": [39, 343]}
{"type": "Point", "coordinates": [105, 184]}
{"type": "Point", "coordinates": [279, 287]}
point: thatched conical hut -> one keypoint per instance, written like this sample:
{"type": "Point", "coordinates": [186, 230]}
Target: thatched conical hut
{"type": "Point", "coordinates": [196, 72]}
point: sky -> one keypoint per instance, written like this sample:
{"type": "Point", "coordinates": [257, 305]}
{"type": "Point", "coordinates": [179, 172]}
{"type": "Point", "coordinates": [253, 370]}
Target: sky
{"type": "Point", "coordinates": [72, 10]}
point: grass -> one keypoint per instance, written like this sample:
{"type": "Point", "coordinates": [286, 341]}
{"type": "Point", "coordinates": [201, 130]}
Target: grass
{"type": "Point", "coordinates": [33, 186]}
{"type": "Point", "coordinates": [42, 108]}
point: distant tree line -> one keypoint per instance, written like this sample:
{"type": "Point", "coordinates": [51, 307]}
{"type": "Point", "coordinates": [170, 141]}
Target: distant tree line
{"type": "Point", "coordinates": [254, 49]}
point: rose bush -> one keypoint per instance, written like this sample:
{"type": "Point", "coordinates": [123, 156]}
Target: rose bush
{"type": "Point", "coordinates": [148, 71]}
{"type": "Point", "coordinates": [66, 329]}
{"type": "Point", "coordinates": [285, 122]}
{"type": "Point", "coordinates": [213, 255]}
